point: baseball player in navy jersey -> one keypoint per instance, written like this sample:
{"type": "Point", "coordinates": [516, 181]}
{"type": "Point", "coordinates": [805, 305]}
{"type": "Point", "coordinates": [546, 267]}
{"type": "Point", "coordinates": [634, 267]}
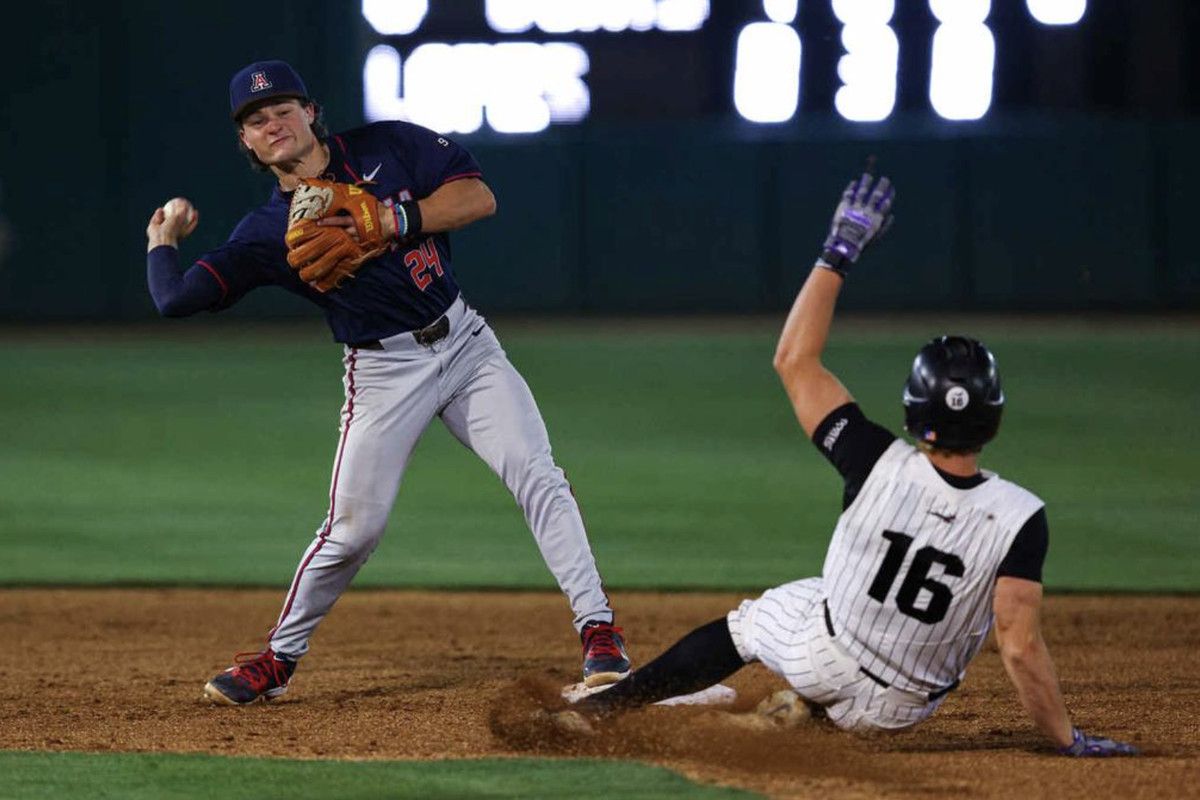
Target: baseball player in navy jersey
{"type": "Point", "coordinates": [414, 350]}
{"type": "Point", "coordinates": [928, 553]}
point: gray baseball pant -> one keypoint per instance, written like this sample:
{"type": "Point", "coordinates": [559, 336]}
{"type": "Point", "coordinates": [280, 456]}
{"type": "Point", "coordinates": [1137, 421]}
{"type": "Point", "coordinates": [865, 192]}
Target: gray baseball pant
{"type": "Point", "coordinates": [392, 395]}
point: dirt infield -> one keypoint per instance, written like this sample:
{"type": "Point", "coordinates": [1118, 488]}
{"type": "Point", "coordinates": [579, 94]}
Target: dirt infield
{"type": "Point", "coordinates": [420, 675]}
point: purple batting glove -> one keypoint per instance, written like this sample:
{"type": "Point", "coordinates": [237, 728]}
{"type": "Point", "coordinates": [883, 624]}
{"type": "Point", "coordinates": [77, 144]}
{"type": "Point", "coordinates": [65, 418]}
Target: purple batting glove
{"type": "Point", "coordinates": [863, 215]}
{"type": "Point", "coordinates": [1085, 746]}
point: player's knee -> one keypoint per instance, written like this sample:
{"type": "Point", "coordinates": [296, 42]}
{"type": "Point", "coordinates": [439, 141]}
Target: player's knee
{"type": "Point", "coordinates": [357, 527]}
{"type": "Point", "coordinates": [533, 471]}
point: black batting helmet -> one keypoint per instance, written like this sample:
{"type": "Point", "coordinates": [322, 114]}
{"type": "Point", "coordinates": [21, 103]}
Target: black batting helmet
{"type": "Point", "coordinates": [953, 399]}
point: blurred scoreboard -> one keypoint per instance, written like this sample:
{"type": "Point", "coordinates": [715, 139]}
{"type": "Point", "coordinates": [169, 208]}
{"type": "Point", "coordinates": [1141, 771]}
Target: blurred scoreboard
{"type": "Point", "coordinates": [521, 66]}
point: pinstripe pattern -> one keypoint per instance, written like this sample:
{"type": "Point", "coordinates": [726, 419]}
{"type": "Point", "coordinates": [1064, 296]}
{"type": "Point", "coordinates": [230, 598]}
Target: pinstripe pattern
{"type": "Point", "coordinates": [785, 628]}
{"type": "Point", "coordinates": [905, 494]}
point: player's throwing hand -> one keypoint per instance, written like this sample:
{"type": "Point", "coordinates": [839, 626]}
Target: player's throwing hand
{"type": "Point", "coordinates": [1085, 746]}
{"type": "Point", "coordinates": [175, 220]}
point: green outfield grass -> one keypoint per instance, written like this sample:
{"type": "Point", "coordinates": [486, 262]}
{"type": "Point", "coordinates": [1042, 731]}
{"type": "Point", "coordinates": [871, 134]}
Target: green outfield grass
{"type": "Point", "coordinates": [151, 457]}
{"type": "Point", "coordinates": [80, 776]}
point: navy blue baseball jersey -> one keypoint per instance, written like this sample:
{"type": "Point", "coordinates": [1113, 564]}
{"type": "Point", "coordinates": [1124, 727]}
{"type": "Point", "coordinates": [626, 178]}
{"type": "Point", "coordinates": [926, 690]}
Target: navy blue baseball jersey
{"type": "Point", "coordinates": [406, 288]}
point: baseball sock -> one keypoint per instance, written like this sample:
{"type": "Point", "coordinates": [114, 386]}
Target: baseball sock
{"type": "Point", "coordinates": [695, 662]}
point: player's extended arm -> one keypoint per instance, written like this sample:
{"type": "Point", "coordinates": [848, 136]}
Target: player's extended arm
{"type": "Point", "coordinates": [862, 216]}
{"type": "Point", "coordinates": [456, 204]}
{"type": "Point", "coordinates": [452, 206]}
{"type": "Point", "coordinates": [813, 390]}
{"type": "Point", "coordinates": [176, 293]}
{"type": "Point", "coordinates": [1017, 606]}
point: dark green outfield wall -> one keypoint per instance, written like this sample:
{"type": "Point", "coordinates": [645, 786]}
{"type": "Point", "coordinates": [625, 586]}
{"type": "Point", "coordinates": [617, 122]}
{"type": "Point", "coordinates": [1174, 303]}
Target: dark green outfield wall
{"type": "Point", "coordinates": [116, 107]}
{"type": "Point", "coordinates": [1037, 215]}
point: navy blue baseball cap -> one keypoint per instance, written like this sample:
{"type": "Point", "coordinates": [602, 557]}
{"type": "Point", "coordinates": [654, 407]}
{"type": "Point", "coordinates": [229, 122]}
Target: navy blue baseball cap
{"type": "Point", "coordinates": [262, 80]}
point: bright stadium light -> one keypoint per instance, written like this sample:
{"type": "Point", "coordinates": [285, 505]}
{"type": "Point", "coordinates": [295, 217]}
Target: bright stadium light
{"type": "Point", "coordinates": [965, 11]}
{"type": "Point", "coordinates": [563, 66]}
{"type": "Point", "coordinates": [514, 105]}
{"type": "Point", "coordinates": [531, 85]}
{"type": "Point", "coordinates": [781, 11]}
{"type": "Point", "coordinates": [442, 89]}
{"type": "Point", "coordinates": [381, 85]}
{"type": "Point", "coordinates": [508, 16]}
{"type": "Point", "coordinates": [395, 17]}
{"type": "Point", "coordinates": [863, 12]}
{"type": "Point", "coordinates": [1057, 12]}
{"type": "Point", "coordinates": [766, 78]}
{"type": "Point", "coordinates": [518, 87]}
{"type": "Point", "coordinates": [682, 15]}
{"type": "Point", "coordinates": [868, 70]}
{"type": "Point", "coordinates": [619, 15]}
{"type": "Point", "coordinates": [964, 57]}
{"type": "Point", "coordinates": [587, 16]}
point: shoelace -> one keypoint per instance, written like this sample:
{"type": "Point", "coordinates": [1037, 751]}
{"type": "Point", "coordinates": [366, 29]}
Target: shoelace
{"type": "Point", "coordinates": [260, 669]}
{"type": "Point", "coordinates": [600, 642]}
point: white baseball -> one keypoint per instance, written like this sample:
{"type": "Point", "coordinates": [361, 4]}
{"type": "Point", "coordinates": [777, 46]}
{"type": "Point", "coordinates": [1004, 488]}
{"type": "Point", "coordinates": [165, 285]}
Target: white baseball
{"type": "Point", "coordinates": [179, 207]}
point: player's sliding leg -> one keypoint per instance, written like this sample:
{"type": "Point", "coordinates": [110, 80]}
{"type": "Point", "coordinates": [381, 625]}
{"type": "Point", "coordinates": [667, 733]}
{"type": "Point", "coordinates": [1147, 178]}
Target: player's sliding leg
{"type": "Point", "coordinates": [492, 411]}
{"type": "Point", "coordinates": [389, 403]}
{"type": "Point", "coordinates": [775, 629]}
{"type": "Point", "coordinates": [704, 657]}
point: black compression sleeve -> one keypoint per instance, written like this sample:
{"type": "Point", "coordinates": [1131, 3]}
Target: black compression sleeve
{"type": "Point", "coordinates": [695, 662]}
{"type": "Point", "coordinates": [1027, 553]}
{"type": "Point", "coordinates": [853, 444]}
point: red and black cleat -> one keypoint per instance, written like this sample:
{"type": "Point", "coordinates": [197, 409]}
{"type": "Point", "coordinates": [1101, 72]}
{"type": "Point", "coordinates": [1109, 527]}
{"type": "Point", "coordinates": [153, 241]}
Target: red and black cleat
{"type": "Point", "coordinates": [253, 676]}
{"type": "Point", "coordinates": [604, 658]}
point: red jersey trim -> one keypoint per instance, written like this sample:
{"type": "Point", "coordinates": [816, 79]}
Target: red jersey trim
{"type": "Point", "coordinates": [217, 276]}
{"type": "Point", "coordinates": [462, 175]}
{"type": "Point", "coordinates": [323, 537]}
{"type": "Point", "coordinates": [345, 165]}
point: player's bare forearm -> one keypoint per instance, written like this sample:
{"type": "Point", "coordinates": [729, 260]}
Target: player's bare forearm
{"type": "Point", "coordinates": [1032, 673]}
{"type": "Point", "coordinates": [863, 215]}
{"type": "Point", "coordinates": [813, 390]}
{"type": "Point", "coordinates": [456, 204]}
{"type": "Point", "coordinates": [1018, 632]}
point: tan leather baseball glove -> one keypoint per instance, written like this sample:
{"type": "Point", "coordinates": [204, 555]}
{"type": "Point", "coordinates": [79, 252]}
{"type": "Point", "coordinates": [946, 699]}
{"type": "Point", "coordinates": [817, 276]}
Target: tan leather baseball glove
{"type": "Point", "coordinates": [326, 256]}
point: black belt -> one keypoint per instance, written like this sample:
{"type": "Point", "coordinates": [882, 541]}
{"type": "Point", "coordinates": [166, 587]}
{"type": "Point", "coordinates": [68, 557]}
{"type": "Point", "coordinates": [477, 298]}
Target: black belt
{"type": "Point", "coordinates": [425, 336]}
{"type": "Point", "coordinates": [932, 695]}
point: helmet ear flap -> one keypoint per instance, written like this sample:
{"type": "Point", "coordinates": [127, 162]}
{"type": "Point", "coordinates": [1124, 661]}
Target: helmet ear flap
{"type": "Point", "coordinates": [953, 399]}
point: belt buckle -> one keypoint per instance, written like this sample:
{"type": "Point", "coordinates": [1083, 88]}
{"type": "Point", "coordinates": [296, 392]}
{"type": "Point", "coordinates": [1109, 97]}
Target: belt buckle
{"type": "Point", "coordinates": [433, 333]}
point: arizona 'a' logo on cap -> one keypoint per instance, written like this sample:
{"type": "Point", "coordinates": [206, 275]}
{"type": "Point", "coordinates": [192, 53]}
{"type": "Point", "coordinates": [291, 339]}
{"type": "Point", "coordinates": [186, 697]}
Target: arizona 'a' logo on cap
{"type": "Point", "coordinates": [259, 82]}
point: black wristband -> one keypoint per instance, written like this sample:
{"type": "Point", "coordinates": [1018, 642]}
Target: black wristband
{"type": "Point", "coordinates": [412, 215]}
{"type": "Point", "coordinates": [833, 260]}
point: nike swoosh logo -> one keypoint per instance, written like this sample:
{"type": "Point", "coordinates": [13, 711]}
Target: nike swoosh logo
{"type": "Point", "coordinates": [477, 330]}
{"type": "Point", "coordinates": [944, 517]}
{"type": "Point", "coordinates": [373, 173]}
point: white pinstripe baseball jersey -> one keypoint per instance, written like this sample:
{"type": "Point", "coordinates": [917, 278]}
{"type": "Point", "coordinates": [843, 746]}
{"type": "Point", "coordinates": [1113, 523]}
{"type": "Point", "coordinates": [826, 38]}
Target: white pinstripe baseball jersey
{"type": "Point", "coordinates": [911, 569]}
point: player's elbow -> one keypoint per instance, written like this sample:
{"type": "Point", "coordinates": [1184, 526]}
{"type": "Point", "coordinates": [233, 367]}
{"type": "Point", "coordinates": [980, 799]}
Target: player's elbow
{"type": "Point", "coordinates": [1020, 651]}
{"type": "Point", "coordinates": [782, 365]}
{"type": "Point", "coordinates": [1015, 655]}
{"type": "Point", "coordinates": [172, 307]}
{"type": "Point", "coordinates": [791, 364]}
{"type": "Point", "coordinates": [487, 203]}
